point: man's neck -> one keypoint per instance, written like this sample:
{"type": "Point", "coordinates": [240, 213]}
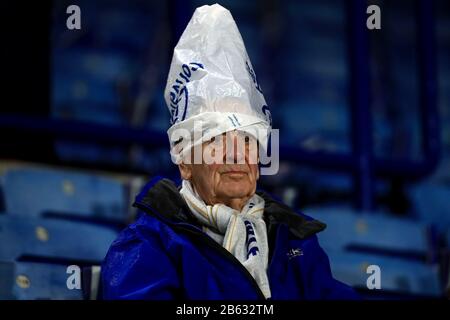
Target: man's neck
{"type": "Point", "coordinates": [236, 203]}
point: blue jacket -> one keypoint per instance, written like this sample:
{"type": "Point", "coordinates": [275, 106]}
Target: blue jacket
{"type": "Point", "coordinates": [166, 255]}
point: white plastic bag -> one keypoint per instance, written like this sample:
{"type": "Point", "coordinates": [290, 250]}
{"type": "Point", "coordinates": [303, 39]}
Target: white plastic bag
{"type": "Point", "coordinates": [211, 87]}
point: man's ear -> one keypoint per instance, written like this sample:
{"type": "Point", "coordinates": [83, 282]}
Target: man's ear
{"type": "Point", "coordinates": [185, 171]}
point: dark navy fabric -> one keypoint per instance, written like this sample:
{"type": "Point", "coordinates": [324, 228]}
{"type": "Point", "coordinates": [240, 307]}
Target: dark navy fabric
{"type": "Point", "coordinates": [164, 254]}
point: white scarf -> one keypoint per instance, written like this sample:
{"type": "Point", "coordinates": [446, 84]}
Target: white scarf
{"type": "Point", "coordinates": [243, 233]}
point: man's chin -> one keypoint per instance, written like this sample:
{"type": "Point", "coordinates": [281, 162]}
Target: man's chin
{"type": "Point", "coordinates": [235, 189]}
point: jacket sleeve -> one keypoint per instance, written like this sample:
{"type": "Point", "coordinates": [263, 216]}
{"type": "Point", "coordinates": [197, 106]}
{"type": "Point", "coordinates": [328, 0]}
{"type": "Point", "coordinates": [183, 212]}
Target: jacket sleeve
{"type": "Point", "coordinates": [322, 284]}
{"type": "Point", "coordinates": [138, 269]}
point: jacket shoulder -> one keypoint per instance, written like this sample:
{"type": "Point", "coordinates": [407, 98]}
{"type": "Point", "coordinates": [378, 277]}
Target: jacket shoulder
{"type": "Point", "coordinates": [129, 270]}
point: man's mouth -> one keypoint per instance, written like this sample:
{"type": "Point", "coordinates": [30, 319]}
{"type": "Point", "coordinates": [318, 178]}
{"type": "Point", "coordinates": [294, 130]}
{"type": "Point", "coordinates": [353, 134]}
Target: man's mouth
{"type": "Point", "coordinates": [235, 172]}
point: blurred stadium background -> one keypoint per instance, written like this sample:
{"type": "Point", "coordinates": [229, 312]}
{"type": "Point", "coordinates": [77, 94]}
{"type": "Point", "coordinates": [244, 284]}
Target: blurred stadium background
{"type": "Point", "coordinates": [364, 119]}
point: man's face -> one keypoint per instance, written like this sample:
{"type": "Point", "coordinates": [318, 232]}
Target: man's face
{"type": "Point", "coordinates": [233, 173]}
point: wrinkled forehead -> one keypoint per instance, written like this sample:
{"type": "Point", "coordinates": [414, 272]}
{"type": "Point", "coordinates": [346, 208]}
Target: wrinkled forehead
{"type": "Point", "coordinates": [237, 144]}
{"type": "Point", "coordinates": [235, 134]}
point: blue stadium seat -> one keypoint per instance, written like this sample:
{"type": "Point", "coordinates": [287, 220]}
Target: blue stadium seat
{"type": "Point", "coordinates": [397, 275]}
{"type": "Point", "coordinates": [56, 241]}
{"type": "Point", "coordinates": [431, 204]}
{"type": "Point", "coordinates": [31, 281]}
{"type": "Point", "coordinates": [400, 247]}
{"type": "Point", "coordinates": [44, 192]}
{"type": "Point", "coordinates": [372, 233]}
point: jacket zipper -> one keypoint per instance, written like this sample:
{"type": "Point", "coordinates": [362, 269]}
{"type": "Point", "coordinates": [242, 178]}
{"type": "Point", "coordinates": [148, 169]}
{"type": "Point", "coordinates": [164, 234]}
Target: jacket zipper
{"type": "Point", "coordinates": [225, 253]}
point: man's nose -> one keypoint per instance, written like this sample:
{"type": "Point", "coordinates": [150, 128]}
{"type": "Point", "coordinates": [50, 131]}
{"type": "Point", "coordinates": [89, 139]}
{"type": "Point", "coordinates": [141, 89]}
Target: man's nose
{"type": "Point", "coordinates": [236, 152]}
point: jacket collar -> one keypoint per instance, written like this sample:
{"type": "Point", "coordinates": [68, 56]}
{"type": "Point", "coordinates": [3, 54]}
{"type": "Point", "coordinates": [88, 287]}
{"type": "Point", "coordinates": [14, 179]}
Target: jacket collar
{"type": "Point", "coordinates": [161, 197]}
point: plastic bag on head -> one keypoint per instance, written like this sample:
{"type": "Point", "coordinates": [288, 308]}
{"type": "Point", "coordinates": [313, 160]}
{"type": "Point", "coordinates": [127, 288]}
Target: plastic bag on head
{"type": "Point", "coordinates": [212, 87]}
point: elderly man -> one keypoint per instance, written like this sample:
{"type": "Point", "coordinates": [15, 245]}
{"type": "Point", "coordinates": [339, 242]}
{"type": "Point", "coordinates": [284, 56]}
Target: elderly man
{"type": "Point", "coordinates": [215, 237]}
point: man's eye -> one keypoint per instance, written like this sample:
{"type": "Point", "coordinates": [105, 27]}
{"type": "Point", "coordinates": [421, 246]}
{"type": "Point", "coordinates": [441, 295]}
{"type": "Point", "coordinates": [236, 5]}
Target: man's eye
{"type": "Point", "coordinates": [214, 142]}
{"type": "Point", "coordinates": [247, 139]}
